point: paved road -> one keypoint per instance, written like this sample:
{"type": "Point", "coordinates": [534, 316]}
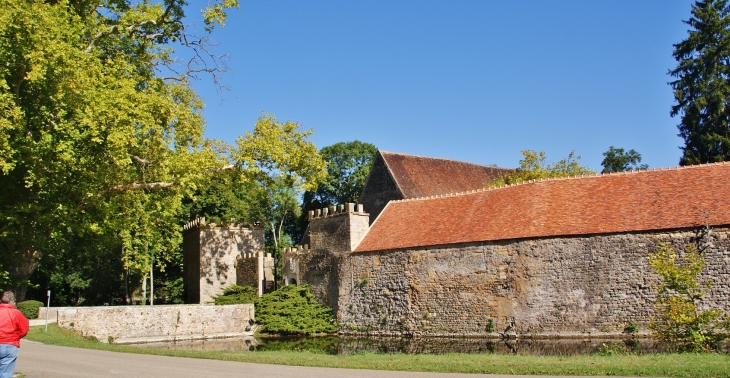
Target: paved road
{"type": "Point", "coordinates": [46, 361]}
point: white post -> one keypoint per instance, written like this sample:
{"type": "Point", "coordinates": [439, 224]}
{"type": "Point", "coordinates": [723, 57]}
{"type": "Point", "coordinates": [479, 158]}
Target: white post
{"type": "Point", "coordinates": [48, 308]}
{"type": "Point", "coordinates": [260, 272]}
{"type": "Point", "coordinates": [152, 283]}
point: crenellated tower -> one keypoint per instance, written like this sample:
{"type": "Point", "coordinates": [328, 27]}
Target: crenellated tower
{"type": "Point", "coordinates": [333, 233]}
{"type": "Point", "coordinates": [218, 254]}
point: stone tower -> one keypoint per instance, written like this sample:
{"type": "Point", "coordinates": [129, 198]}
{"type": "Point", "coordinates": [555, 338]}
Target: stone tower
{"type": "Point", "coordinates": [212, 254]}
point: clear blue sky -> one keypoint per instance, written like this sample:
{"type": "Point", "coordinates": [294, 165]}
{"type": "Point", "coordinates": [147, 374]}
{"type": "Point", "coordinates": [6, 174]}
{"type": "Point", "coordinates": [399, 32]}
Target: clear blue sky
{"type": "Point", "coordinates": [469, 80]}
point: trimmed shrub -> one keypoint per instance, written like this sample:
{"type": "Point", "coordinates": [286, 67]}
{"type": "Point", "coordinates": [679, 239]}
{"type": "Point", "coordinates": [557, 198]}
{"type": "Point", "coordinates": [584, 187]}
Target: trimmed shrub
{"type": "Point", "coordinates": [29, 308]}
{"type": "Point", "coordinates": [291, 310]}
{"type": "Point", "coordinates": [235, 294]}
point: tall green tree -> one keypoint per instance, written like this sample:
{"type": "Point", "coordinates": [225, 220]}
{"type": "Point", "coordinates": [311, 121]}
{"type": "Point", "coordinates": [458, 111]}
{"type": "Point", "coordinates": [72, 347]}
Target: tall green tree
{"type": "Point", "coordinates": [101, 133]}
{"type": "Point", "coordinates": [702, 84]}
{"type": "Point", "coordinates": [348, 167]}
{"type": "Point", "coordinates": [534, 166]}
{"type": "Point", "coordinates": [619, 160]}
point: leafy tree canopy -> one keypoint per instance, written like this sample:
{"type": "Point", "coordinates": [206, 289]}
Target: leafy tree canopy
{"type": "Point", "coordinates": [533, 166]}
{"type": "Point", "coordinates": [702, 85]}
{"type": "Point", "coordinates": [348, 166]}
{"type": "Point", "coordinates": [101, 132]}
{"type": "Point", "coordinates": [618, 160]}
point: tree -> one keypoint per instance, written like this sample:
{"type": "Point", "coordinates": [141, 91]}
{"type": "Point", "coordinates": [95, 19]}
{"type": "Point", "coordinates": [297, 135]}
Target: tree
{"type": "Point", "coordinates": [96, 114]}
{"type": "Point", "coordinates": [680, 320]}
{"type": "Point", "coordinates": [533, 166]}
{"type": "Point", "coordinates": [617, 160]}
{"type": "Point", "coordinates": [702, 85]}
{"type": "Point", "coordinates": [348, 167]}
{"type": "Point", "coordinates": [101, 133]}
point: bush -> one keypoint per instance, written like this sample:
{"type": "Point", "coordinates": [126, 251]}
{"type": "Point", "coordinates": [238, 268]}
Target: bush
{"type": "Point", "coordinates": [290, 310]}
{"type": "Point", "coordinates": [236, 295]}
{"type": "Point", "coordinates": [29, 308]}
{"type": "Point", "coordinates": [680, 319]}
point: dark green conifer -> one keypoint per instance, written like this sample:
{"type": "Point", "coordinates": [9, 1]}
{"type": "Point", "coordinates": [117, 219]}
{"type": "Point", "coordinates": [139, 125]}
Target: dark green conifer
{"type": "Point", "coordinates": [702, 85]}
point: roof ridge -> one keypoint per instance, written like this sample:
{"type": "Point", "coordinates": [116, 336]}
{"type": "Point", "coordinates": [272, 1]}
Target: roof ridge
{"type": "Point", "coordinates": [444, 159]}
{"type": "Point", "coordinates": [574, 177]}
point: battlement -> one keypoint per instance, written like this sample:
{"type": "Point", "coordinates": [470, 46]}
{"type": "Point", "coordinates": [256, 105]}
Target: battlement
{"type": "Point", "coordinates": [252, 255]}
{"type": "Point", "coordinates": [295, 250]}
{"type": "Point", "coordinates": [199, 223]}
{"type": "Point", "coordinates": [348, 208]}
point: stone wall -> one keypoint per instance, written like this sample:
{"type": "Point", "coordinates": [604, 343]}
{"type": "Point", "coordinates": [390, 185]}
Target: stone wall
{"type": "Point", "coordinates": [256, 271]}
{"type": "Point", "coordinates": [565, 286]}
{"type": "Point", "coordinates": [332, 233]}
{"type": "Point", "coordinates": [380, 188]}
{"type": "Point", "coordinates": [209, 256]}
{"type": "Point", "coordinates": [135, 324]}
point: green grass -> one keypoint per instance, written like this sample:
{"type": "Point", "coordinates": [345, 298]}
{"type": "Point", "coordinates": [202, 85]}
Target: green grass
{"type": "Point", "coordinates": [657, 365]}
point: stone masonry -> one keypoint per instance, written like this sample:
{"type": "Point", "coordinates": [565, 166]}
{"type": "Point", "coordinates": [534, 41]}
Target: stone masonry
{"type": "Point", "coordinates": [539, 287]}
{"type": "Point", "coordinates": [138, 324]}
{"type": "Point", "coordinates": [256, 270]}
{"type": "Point", "coordinates": [577, 286]}
{"type": "Point", "coordinates": [332, 233]}
{"type": "Point", "coordinates": [211, 253]}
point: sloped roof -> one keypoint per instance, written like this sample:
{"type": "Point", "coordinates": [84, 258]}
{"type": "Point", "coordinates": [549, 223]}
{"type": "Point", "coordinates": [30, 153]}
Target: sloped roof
{"type": "Point", "coordinates": [626, 202]}
{"type": "Point", "coordinates": [419, 176]}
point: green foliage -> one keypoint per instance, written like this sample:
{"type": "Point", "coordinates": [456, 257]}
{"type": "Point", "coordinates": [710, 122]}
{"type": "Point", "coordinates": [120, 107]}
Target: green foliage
{"type": "Point", "coordinates": [348, 166]}
{"type": "Point", "coordinates": [631, 328]}
{"type": "Point", "coordinates": [617, 160]}
{"type": "Point", "coordinates": [702, 89]}
{"type": "Point", "coordinates": [290, 310]}
{"type": "Point", "coordinates": [293, 310]}
{"type": "Point", "coordinates": [102, 136]}
{"type": "Point", "coordinates": [611, 349]}
{"type": "Point", "coordinates": [29, 308]}
{"type": "Point", "coordinates": [490, 326]}
{"type": "Point", "coordinates": [235, 294]}
{"type": "Point", "coordinates": [97, 118]}
{"type": "Point", "coordinates": [680, 320]}
{"type": "Point", "coordinates": [533, 167]}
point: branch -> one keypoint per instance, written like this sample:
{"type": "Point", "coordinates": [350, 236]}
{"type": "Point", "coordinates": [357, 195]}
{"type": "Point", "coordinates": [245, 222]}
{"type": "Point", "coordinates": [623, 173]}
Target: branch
{"type": "Point", "coordinates": [98, 37]}
{"type": "Point", "coordinates": [223, 168]}
{"type": "Point", "coordinates": [140, 160]}
{"type": "Point", "coordinates": [21, 78]}
{"type": "Point", "coordinates": [146, 185]}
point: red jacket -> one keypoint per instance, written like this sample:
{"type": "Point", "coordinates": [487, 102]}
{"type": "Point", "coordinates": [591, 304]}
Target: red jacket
{"type": "Point", "coordinates": [13, 325]}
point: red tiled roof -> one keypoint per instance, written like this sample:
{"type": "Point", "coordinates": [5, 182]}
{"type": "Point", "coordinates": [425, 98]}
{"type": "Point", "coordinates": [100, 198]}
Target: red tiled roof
{"type": "Point", "coordinates": [419, 176]}
{"type": "Point", "coordinates": [635, 201]}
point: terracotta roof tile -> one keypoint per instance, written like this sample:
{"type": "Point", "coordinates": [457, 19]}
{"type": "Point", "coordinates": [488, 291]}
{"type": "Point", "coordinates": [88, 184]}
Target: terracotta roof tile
{"type": "Point", "coordinates": [626, 202]}
{"type": "Point", "coordinates": [419, 176]}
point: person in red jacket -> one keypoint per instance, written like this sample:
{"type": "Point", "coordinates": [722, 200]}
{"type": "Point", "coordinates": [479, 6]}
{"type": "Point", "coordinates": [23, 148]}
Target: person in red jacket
{"type": "Point", "coordinates": [13, 327]}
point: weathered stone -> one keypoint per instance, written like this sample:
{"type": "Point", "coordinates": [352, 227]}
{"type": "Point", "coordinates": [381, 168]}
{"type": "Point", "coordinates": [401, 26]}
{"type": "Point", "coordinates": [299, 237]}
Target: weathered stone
{"type": "Point", "coordinates": [210, 254]}
{"type": "Point", "coordinates": [134, 324]}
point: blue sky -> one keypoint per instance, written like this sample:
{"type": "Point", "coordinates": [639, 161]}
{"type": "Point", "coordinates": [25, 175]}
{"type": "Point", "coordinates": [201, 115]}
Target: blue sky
{"type": "Point", "coordinates": [475, 81]}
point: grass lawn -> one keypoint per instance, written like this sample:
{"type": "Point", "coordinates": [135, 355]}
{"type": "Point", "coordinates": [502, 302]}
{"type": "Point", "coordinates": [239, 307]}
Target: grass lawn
{"type": "Point", "coordinates": [657, 365]}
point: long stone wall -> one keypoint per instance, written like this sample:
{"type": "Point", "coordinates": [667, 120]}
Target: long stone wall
{"type": "Point", "coordinates": [566, 286]}
{"type": "Point", "coordinates": [136, 324]}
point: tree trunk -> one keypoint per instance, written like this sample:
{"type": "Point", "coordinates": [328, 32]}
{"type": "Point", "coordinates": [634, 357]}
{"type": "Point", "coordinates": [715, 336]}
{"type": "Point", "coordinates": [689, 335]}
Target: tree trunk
{"type": "Point", "coordinates": [23, 262]}
{"type": "Point", "coordinates": [144, 290]}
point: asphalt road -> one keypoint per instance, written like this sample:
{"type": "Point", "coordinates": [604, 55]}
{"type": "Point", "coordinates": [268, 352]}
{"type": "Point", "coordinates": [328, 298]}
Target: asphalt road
{"type": "Point", "coordinates": [47, 361]}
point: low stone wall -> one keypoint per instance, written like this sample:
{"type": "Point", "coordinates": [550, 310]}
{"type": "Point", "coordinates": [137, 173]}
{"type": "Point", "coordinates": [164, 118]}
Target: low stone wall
{"type": "Point", "coordinates": [140, 324]}
{"type": "Point", "coordinates": [52, 313]}
{"type": "Point", "coordinates": [566, 287]}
